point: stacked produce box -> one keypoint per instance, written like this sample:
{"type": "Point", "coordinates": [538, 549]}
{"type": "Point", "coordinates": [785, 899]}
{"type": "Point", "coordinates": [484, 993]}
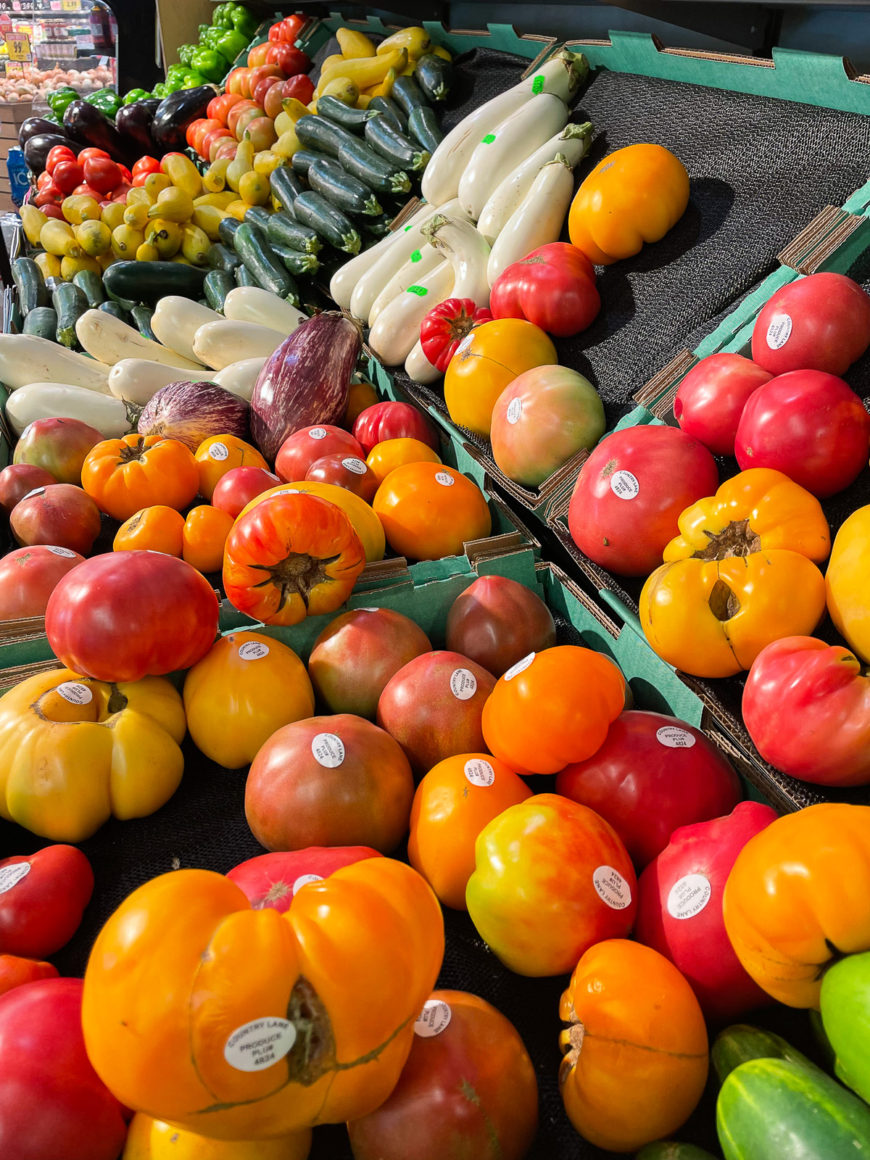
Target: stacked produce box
{"type": "Point", "coordinates": [335, 814]}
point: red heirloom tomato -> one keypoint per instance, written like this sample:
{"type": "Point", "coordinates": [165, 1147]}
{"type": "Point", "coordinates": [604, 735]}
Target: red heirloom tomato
{"type": "Point", "coordinates": [290, 60]}
{"type": "Point", "coordinates": [652, 774]}
{"type": "Point", "coordinates": [392, 421]}
{"type": "Point", "coordinates": [711, 398]}
{"type": "Point", "coordinates": [28, 577]}
{"type": "Point", "coordinates": [17, 479]}
{"type": "Point", "coordinates": [821, 322]}
{"type": "Point", "coordinates": [809, 425]}
{"type": "Point", "coordinates": [551, 878]}
{"type": "Point", "coordinates": [345, 471]}
{"type": "Point", "coordinates": [291, 556]}
{"type": "Point", "coordinates": [235, 490]}
{"type": "Point", "coordinates": [125, 615]}
{"type": "Point", "coordinates": [52, 1102]}
{"type": "Point", "coordinates": [60, 514]}
{"type": "Point", "coordinates": [497, 621]}
{"type": "Point", "coordinates": [58, 445]}
{"type": "Point", "coordinates": [467, 1089]}
{"type": "Point", "coordinates": [553, 287]}
{"type": "Point", "coordinates": [273, 880]}
{"type": "Point", "coordinates": [445, 326]}
{"type": "Point", "coordinates": [630, 492]}
{"type": "Point", "coordinates": [305, 446]}
{"type": "Point", "coordinates": [42, 897]}
{"type": "Point", "coordinates": [429, 511]}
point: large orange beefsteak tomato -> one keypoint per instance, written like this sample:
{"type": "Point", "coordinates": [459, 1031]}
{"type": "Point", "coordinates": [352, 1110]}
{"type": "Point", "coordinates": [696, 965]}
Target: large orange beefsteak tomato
{"type": "Point", "coordinates": [125, 475]}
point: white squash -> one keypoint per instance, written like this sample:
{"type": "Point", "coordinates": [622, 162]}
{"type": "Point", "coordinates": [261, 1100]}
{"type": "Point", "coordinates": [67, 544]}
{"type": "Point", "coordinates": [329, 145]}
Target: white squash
{"type": "Point", "coordinates": [251, 304]}
{"type": "Point", "coordinates": [537, 220]}
{"type": "Point", "coordinates": [137, 379]}
{"type": "Point", "coordinates": [108, 339]}
{"type": "Point", "coordinates": [241, 377]}
{"type": "Point", "coordinates": [219, 344]}
{"type": "Point", "coordinates": [111, 417]}
{"type": "Point", "coordinates": [25, 358]}
{"type": "Point", "coordinates": [397, 329]}
{"type": "Point", "coordinates": [176, 320]}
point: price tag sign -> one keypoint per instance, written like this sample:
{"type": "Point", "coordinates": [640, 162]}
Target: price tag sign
{"type": "Point", "coordinates": [18, 48]}
{"type": "Point", "coordinates": [70, 6]}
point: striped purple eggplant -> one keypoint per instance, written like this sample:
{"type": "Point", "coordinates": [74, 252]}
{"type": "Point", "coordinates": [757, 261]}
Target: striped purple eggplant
{"type": "Point", "coordinates": [192, 412]}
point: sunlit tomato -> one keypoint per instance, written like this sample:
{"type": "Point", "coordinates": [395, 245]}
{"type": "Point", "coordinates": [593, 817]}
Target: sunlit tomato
{"type": "Point", "coordinates": [429, 511]}
{"type": "Point", "coordinates": [28, 577]}
{"type": "Point", "coordinates": [60, 515]}
{"type": "Point", "coordinates": [392, 420]}
{"type": "Point", "coordinates": [453, 803]}
{"type": "Point", "coordinates": [551, 878]}
{"type": "Point", "coordinates": [219, 454]}
{"type": "Point", "coordinates": [16, 971]}
{"type": "Point", "coordinates": [345, 471]}
{"type": "Point", "coordinates": [846, 581]}
{"type": "Point", "coordinates": [235, 490]}
{"type": "Point", "coordinates": [497, 621]}
{"type": "Point", "coordinates": [711, 398]}
{"type": "Point", "coordinates": [150, 1139]}
{"type": "Point", "coordinates": [553, 707]}
{"type": "Point", "coordinates": [389, 454]}
{"type": "Point", "coordinates": [361, 394]}
{"type": "Point", "coordinates": [17, 479]}
{"type": "Point", "coordinates": [553, 286]}
{"type": "Point", "coordinates": [303, 447]}
{"type": "Point", "coordinates": [366, 524]}
{"type": "Point", "coordinates": [212, 141]}
{"type": "Point", "coordinates": [153, 529]}
{"type": "Point", "coordinates": [204, 536]}
{"type": "Point", "coordinates": [192, 131]}
{"type": "Point", "coordinates": [125, 475]}
{"type": "Point", "coordinates": [236, 81]}
{"type": "Point", "coordinates": [273, 880]}
{"type": "Point", "coordinates": [244, 106]}
{"type": "Point", "coordinates": [43, 898]}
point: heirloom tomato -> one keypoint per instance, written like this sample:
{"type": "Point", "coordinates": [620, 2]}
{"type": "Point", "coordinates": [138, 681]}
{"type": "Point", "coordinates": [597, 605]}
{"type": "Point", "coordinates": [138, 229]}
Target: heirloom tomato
{"type": "Point", "coordinates": [392, 420]}
{"type": "Point", "coordinates": [446, 325]}
{"type": "Point", "coordinates": [429, 511]}
{"type": "Point", "coordinates": [244, 688]}
{"type": "Point", "coordinates": [60, 514]}
{"type": "Point", "coordinates": [204, 537]}
{"type": "Point", "coordinates": [273, 880]}
{"type": "Point", "coordinates": [16, 971]}
{"type": "Point", "coordinates": [42, 898]}
{"type": "Point", "coordinates": [305, 446]}
{"type": "Point", "coordinates": [153, 529]}
{"type": "Point", "coordinates": [58, 445]}
{"type": "Point", "coordinates": [235, 490]}
{"type": "Point", "coordinates": [125, 475]}
{"type": "Point", "coordinates": [552, 708]}
{"type": "Point", "coordinates": [635, 1056]}
{"type": "Point", "coordinates": [28, 577]}
{"type": "Point", "coordinates": [468, 1089]}
{"type": "Point", "coordinates": [551, 878]}
{"type": "Point", "coordinates": [150, 1139]}
{"type": "Point", "coordinates": [497, 621]}
{"type": "Point", "coordinates": [291, 556]}
{"type": "Point", "coordinates": [17, 480]}
{"type": "Point", "coordinates": [219, 454]}
{"type": "Point", "coordinates": [453, 803]}
{"type": "Point", "coordinates": [553, 287]}
{"type": "Point", "coordinates": [123, 615]}
{"type": "Point", "coordinates": [365, 523]}
{"type": "Point", "coordinates": [360, 394]}
{"type": "Point", "coordinates": [385, 456]}
{"type": "Point", "coordinates": [796, 899]}
{"type": "Point", "coordinates": [846, 581]}
{"type": "Point", "coordinates": [711, 398]}
{"type": "Point", "coordinates": [345, 471]}
{"type": "Point", "coordinates": [276, 1040]}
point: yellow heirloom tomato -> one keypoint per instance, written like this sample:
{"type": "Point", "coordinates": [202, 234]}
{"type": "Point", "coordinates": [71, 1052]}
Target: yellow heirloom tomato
{"type": "Point", "coordinates": [244, 688]}
{"type": "Point", "coordinates": [150, 1139]}
{"type": "Point", "coordinates": [848, 582]}
{"type": "Point", "coordinates": [75, 751]}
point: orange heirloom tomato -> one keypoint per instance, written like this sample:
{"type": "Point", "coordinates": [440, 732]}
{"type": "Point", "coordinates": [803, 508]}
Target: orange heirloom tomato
{"type": "Point", "coordinates": [553, 708]}
{"type": "Point", "coordinates": [635, 1056]}
{"type": "Point", "coordinates": [796, 899]}
{"type": "Point", "coordinates": [219, 454]}
{"type": "Point", "coordinates": [366, 524]}
{"type": "Point", "coordinates": [429, 511]}
{"type": "Point", "coordinates": [360, 395]}
{"type": "Point", "coordinates": [291, 556]}
{"type": "Point", "coordinates": [489, 358]}
{"type": "Point", "coordinates": [123, 476]}
{"type": "Point", "coordinates": [245, 688]}
{"type": "Point", "coordinates": [632, 196]}
{"type": "Point", "coordinates": [204, 534]}
{"type": "Point", "coordinates": [247, 1024]}
{"type": "Point", "coordinates": [453, 803]}
{"type": "Point", "coordinates": [389, 454]}
{"type": "Point", "coordinates": [153, 529]}
{"type": "Point", "coordinates": [149, 1139]}
{"type": "Point", "coordinates": [846, 582]}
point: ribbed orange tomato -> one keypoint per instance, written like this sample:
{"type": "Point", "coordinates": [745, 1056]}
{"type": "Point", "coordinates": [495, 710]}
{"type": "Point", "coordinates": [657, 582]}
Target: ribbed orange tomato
{"type": "Point", "coordinates": [125, 475]}
{"type": "Point", "coordinates": [429, 511]}
{"type": "Point", "coordinates": [153, 529]}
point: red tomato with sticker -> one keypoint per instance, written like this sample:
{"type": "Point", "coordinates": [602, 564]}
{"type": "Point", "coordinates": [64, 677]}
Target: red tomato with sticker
{"type": "Point", "coordinates": [304, 447]}
{"type": "Point", "coordinates": [273, 880]}
{"type": "Point", "coordinates": [347, 471]}
{"type": "Point", "coordinates": [42, 899]}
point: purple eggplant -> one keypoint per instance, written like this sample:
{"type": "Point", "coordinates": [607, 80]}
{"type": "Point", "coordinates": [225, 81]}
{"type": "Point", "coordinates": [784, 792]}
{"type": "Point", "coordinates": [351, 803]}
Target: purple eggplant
{"type": "Point", "coordinates": [192, 412]}
{"type": "Point", "coordinates": [175, 113]}
{"type": "Point", "coordinates": [36, 149]}
{"type": "Point", "coordinates": [34, 126]}
{"type": "Point", "coordinates": [85, 123]}
{"type": "Point", "coordinates": [133, 122]}
{"type": "Point", "coordinates": [306, 380]}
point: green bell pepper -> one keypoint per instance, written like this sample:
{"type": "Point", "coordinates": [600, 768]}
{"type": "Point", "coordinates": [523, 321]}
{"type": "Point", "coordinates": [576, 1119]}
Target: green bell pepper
{"type": "Point", "coordinates": [176, 72]}
{"type": "Point", "coordinates": [231, 44]}
{"type": "Point", "coordinates": [106, 100]}
{"type": "Point", "coordinates": [173, 84]}
{"type": "Point", "coordinates": [60, 98]}
{"type": "Point", "coordinates": [135, 95]}
{"type": "Point", "coordinates": [161, 90]}
{"type": "Point", "coordinates": [201, 29]}
{"type": "Point", "coordinates": [221, 17]}
{"type": "Point", "coordinates": [244, 21]}
{"type": "Point", "coordinates": [186, 53]}
{"type": "Point", "coordinates": [209, 64]}
{"type": "Point", "coordinates": [194, 80]}
{"type": "Point", "coordinates": [209, 39]}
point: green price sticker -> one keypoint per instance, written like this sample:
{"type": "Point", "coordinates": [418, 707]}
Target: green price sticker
{"type": "Point", "coordinates": [538, 83]}
{"type": "Point", "coordinates": [406, 228]}
{"type": "Point", "coordinates": [420, 291]}
{"type": "Point", "coordinates": [488, 139]}
{"type": "Point", "coordinates": [416, 256]}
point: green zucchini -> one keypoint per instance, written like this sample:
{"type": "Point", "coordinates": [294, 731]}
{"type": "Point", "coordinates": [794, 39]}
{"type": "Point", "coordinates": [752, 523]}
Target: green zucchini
{"type": "Point", "coordinates": [41, 321]}
{"type": "Point", "coordinates": [362, 162]}
{"type": "Point", "coordinates": [424, 128]}
{"type": "Point", "coordinates": [774, 1109]}
{"type": "Point", "coordinates": [258, 215]}
{"type": "Point", "coordinates": [284, 230]}
{"type": "Point", "coordinates": [256, 253]}
{"type": "Point", "coordinates": [395, 146]}
{"type": "Point", "coordinates": [377, 228]}
{"type": "Point", "coordinates": [407, 94]}
{"type": "Point", "coordinates": [115, 309]}
{"type": "Point", "coordinates": [346, 192]}
{"type": "Point", "coordinates": [335, 110]}
{"type": "Point", "coordinates": [221, 257]}
{"type": "Point", "coordinates": [217, 285]}
{"type": "Point", "coordinates": [92, 284]}
{"type": "Point", "coordinates": [312, 209]}
{"type": "Point", "coordinates": [303, 159]}
{"type": "Point", "coordinates": [28, 280]}
{"type": "Point", "coordinates": [672, 1150]}
{"type": "Point", "coordinates": [141, 319]}
{"type": "Point", "coordinates": [227, 227]}
{"type": "Point", "coordinates": [285, 185]}
{"type": "Point", "coordinates": [434, 76]}
{"type": "Point", "coordinates": [296, 261]}
{"type": "Point", "coordinates": [391, 111]}
{"type": "Point", "coordinates": [245, 277]}
{"type": "Point", "coordinates": [322, 134]}
{"type": "Point", "coordinates": [133, 282]}
{"type": "Point", "coordinates": [70, 303]}
{"type": "Point", "coordinates": [740, 1043]}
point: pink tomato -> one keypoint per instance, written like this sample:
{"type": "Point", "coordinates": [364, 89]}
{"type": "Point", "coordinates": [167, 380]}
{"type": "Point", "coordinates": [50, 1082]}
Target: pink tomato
{"type": "Point", "coordinates": [273, 880]}
{"type": "Point", "coordinates": [238, 486]}
{"type": "Point", "coordinates": [28, 577]}
{"type": "Point", "coordinates": [57, 445]}
{"type": "Point", "coordinates": [392, 420]}
{"type": "Point", "coordinates": [308, 444]}
{"type": "Point", "coordinates": [59, 514]}
{"type": "Point", "coordinates": [711, 398]}
{"type": "Point", "coordinates": [17, 480]}
{"type": "Point", "coordinates": [497, 621]}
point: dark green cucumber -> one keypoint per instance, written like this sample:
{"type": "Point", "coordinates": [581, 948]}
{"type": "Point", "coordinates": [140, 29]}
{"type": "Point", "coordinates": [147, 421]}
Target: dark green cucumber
{"type": "Point", "coordinates": [395, 146]}
{"type": "Point", "coordinates": [407, 94]}
{"type": "Point", "coordinates": [217, 285]}
{"type": "Point", "coordinates": [673, 1150]}
{"type": "Point", "coordinates": [295, 260]}
{"type": "Point", "coordinates": [92, 284]}
{"type": "Point", "coordinates": [362, 162]}
{"type": "Point", "coordinates": [740, 1043]}
{"type": "Point", "coordinates": [312, 209]}
{"type": "Point", "coordinates": [434, 76]}
{"type": "Point", "coordinates": [346, 192]}
{"type": "Point", "coordinates": [133, 282]}
{"type": "Point", "coordinates": [303, 159]}
{"type": "Point", "coordinates": [41, 321]}
{"type": "Point", "coordinates": [390, 111]}
{"type": "Point", "coordinates": [28, 280]}
{"type": "Point", "coordinates": [271, 274]}
{"type": "Point", "coordinates": [322, 134]}
{"type": "Point", "coordinates": [335, 110]}
{"type": "Point", "coordinates": [116, 310]}
{"type": "Point", "coordinates": [258, 215]}
{"type": "Point", "coordinates": [377, 228]}
{"type": "Point", "coordinates": [221, 257]}
{"type": "Point", "coordinates": [227, 227]}
{"type": "Point", "coordinates": [285, 185]}
{"type": "Point", "coordinates": [244, 277]}
{"type": "Point", "coordinates": [141, 319]}
{"type": "Point", "coordinates": [286, 231]}
{"type": "Point", "coordinates": [70, 303]}
{"type": "Point", "coordinates": [423, 125]}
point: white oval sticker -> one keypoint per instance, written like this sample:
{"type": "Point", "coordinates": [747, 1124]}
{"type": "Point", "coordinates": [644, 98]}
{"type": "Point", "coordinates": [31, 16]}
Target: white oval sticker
{"type": "Point", "coordinates": [463, 684]}
{"type": "Point", "coordinates": [355, 465]}
{"type": "Point", "coordinates": [689, 895]}
{"type": "Point", "coordinates": [257, 1045]}
{"type": "Point", "coordinates": [65, 552]}
{"type": "Point", "coordinates": [674, 737]}
{"type": "Point", "coordinates": [445, 479]}
{"type": "Point", "coordinates": [253, 650]}
{"type": "Point", "coordinates": [218, 451]}
{"type": "Point", "coordinates": [11, 875]}
{"type": "Point", "coordinates": [432, 1020]}
{"type": "Point", "coordinates": [287, 491]}
{"type": "Point", "coordinates": [75, 692]}
{"type": "Point", "coordinates": [328, 750]}
{"type": "Point", "coordinates": [317, 433]}
{"type": "Point", "coordinates": [519, 667]}
{"type": "Point", "coordinates": [30, 494]}
{"type": "Point", "coordinates": [514, 411]}
{"type": "Point", "coordinates": [612, 888]}
{"type": "Point", "coordinates": [624, 485]}
{"type": "Point", "coordinates": [303, 880]}
{"type": "Point", "coordinates": [779, 331]}
{"type": "Point", "coordinates": [479, 772]}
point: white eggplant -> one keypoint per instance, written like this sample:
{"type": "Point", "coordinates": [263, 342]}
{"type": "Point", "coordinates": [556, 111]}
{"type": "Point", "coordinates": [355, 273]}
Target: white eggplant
{"type": "Point", "coordinates": [108, 339]}
{"type": "Point", "coordinates": [25, 358]}
{"type": "Point", "coordinates": [572, 142]}
{"type": "Point", "coordinates": [393, 336]}
{"type": "Point", "coordinates": [420, 263]}
{"type": "Point", "coordinates": [251, 304]}
{"type": "Point", "coordinates": [418, 368]}
{"type": "Point", "coordinates": [241, 377]}
{"type": "Point", "coordinates": [111, 417]}
{"type": "Point", "coordinates": [176, 320]}
{"type": "Point", "coordinates": [137, 379]}
{"type": "Point", "coordinates": [220, 343]}
{"type": "Point", "coordinates": [537, 220]}
{"type": "Point", "coordinates": [507, 143]}
{"type": "Point", "coordinates": [561, 75]}
{"type": "Point", "coordinates": [467, 252]}
{"type": "Point", "coordinates": [345, 278]}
